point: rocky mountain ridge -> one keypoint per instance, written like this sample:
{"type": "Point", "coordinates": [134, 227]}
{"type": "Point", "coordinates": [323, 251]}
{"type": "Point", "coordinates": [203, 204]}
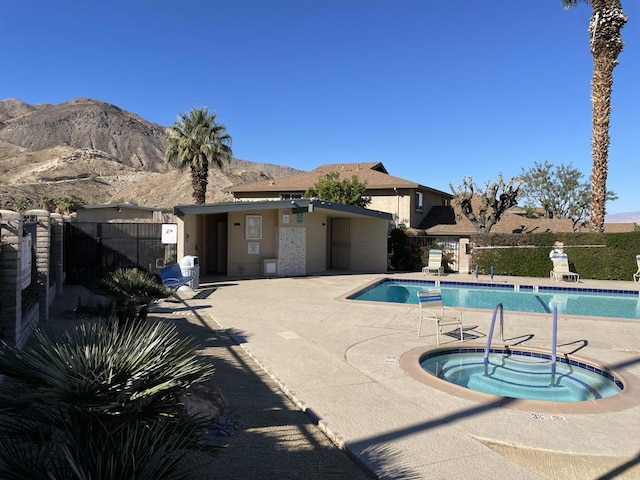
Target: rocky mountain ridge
{"type": "Point", "coordinates": [100, 153]}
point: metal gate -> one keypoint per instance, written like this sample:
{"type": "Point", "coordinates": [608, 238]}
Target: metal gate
{"type": "Point", "coordinates": [95, 250]}
{"type": "Point", "coordinates": [340, 243]}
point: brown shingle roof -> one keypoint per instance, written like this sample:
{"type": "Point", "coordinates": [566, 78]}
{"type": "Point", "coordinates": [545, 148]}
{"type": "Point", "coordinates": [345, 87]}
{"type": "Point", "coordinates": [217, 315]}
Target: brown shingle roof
{"type": "Point", "coordinates": [372, 173]}
{"type": "Point", "coordinates": [350, 167]}
{"type": "Point", "coordinates": [619, 227]}
{"type": "Point", "coordinates": [451, 221]}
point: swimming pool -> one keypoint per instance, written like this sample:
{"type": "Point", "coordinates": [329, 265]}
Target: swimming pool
{"type": "Point", "coordinates": [519, 298]}
{"type": "Point", "coordinates": [522, 373]}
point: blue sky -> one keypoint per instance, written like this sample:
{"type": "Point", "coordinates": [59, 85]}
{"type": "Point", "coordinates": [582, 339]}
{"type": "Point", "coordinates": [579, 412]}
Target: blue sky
{"type": "Point", "coordinates": [436, 90]}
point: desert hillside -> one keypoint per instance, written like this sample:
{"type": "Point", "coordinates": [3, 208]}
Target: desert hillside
{"type": "Point", "coordinates": [100, 153]}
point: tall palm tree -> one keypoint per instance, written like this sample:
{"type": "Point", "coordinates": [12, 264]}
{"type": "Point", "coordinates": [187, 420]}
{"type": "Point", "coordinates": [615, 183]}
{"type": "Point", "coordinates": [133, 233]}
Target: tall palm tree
{"type": "Point", "coordinates": [195, 141]}
{"type": "Point", "coordinates": [605, 41]}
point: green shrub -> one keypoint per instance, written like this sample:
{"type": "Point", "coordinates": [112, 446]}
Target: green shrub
{"type": "Point", "coordinates": [603, 256]}
{"type": "Point", "coordinates": [404, 255]}
{"type": "Point", "coordinates": [132, 291]}
{"type": "Point", "coordinates": [100, 402]}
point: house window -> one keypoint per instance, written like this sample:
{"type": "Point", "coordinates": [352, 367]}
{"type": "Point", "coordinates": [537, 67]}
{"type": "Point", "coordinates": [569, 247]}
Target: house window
{"type": "Point", "coordinates": [290, 196]}
{"type": "Point", "coordinates": [419, 201]}
{"type": "Point", "coordinates": [254, 227]}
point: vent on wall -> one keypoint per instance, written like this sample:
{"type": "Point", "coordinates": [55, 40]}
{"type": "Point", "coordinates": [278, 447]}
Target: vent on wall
{"type": "Point", "coordinates": [270, 267]}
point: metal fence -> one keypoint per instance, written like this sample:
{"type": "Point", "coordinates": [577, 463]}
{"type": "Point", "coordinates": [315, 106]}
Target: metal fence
{"type": "Point", "coordinates": [95, 250]}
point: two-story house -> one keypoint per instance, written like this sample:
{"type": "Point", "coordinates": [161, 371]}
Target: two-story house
{"type": "Point", "coordinates": [408, 201]}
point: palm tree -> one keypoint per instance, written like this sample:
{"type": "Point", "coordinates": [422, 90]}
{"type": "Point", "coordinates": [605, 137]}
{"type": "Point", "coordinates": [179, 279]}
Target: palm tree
{"type": "Point", "coordinates": [605, 41]}
{"type": "Point", "coordinates": [193, 142]}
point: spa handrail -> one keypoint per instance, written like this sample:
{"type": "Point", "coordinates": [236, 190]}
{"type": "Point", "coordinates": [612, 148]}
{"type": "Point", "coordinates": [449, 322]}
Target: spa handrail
{"type": "Point", "coordinates": [554, 341]}
{"type": "Point", "coordinates": [554, 337]}
{"type": "Point", "coordinates": [490, 336]}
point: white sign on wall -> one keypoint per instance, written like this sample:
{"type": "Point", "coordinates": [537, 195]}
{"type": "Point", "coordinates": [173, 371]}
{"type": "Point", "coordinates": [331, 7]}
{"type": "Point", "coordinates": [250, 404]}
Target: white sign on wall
{"type": "Point", "coordinates": [169, 233]}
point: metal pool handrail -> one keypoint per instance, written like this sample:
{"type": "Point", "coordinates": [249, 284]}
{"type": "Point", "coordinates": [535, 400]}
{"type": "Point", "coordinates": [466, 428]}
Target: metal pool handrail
{"type": "Point", "coordinates": [500, 307]}
{"type": "Point", "coordinates": [554, 338]}
{"type": "Point", "coordinates": [554, 343]}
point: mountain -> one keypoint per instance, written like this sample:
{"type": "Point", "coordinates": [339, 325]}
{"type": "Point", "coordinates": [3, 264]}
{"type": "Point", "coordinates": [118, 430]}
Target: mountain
{"type": "Point", "coordinates": [101, 153]}
{"type": "Point", "coordinates": [627, 217]}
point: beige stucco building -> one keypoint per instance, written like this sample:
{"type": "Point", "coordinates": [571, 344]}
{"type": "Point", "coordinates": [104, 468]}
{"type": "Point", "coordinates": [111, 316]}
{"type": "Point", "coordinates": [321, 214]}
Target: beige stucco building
{"type": "Point", "coordinates": [283, 237]}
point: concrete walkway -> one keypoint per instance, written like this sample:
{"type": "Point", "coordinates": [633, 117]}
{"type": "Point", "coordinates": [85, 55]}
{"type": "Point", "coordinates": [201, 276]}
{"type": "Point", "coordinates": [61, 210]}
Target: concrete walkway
{"type": "Point", "coordinates": [299, 345]}
{"type": "Point", "coordinates": [339, 361]}
{"type": "Point", "coordinates": [274, 439]}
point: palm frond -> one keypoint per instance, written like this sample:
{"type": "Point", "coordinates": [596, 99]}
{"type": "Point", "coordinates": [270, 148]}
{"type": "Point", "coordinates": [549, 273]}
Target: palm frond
{"type": "Point", "coordinates": [195, 141]}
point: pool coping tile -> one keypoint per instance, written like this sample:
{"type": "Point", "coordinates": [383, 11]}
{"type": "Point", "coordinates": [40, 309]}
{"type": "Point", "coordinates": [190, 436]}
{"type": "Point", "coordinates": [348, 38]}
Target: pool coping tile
{"type": "Point", "coordinates": [628, 398]}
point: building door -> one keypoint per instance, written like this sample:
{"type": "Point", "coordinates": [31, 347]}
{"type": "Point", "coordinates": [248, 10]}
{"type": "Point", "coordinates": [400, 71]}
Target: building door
{"type": "Point", "coordinates": [221, 254]}
{"type": "Point", "coordinates": [340, 243]}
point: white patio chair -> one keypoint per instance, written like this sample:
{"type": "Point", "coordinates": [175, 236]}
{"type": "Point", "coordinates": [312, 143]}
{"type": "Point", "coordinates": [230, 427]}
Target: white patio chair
{"type": "Point", "coordinates": [432, 308]}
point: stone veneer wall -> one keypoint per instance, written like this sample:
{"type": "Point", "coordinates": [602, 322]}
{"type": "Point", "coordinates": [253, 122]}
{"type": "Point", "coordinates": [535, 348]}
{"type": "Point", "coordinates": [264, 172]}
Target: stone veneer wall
{"type": "Point", "coordinates": [42, 244]}
{"type": "Point", "coordinates": [11, 225]}
{"type": "Point", "coordinates": [292, 251]}
{"type": "Point", "coordinates": [15, 324]}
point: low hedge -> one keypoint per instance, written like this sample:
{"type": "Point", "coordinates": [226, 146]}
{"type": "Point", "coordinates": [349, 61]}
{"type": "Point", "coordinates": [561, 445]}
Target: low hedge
{"type": "Point", "coordinates": [602, 256]}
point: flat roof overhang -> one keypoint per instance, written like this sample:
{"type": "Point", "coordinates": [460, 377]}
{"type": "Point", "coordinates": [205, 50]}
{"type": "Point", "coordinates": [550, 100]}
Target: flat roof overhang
{"type": "Point", "coordinates": [297, 205]}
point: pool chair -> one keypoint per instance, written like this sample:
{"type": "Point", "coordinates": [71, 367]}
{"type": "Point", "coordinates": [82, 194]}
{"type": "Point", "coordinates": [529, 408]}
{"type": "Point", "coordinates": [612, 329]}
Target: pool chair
{"type": "Point", "coordinates": [561, 268]}
{"type": "Point", "coordinates": [636, 276]}
{"type": "Point", "coordinates": [435, 263]}
{"type": "Point", "coordinates": [432, 308]}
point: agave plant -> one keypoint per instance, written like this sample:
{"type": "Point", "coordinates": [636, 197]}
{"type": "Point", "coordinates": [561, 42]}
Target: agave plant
{"type": "Point", "coordinates": [133, 291]}
{"type": "Point", "coordinates": [100, 402]}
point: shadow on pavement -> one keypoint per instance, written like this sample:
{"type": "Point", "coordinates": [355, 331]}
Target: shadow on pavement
{"type": "Point", "coordinates": [275, 439]}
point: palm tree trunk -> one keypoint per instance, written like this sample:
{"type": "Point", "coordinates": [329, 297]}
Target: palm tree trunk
{"type": "Point", "coordinates": [605, 28]}
{"type": "Point", "coordinates": [199, 182]}
{"type": "Point", "coordinates": [601, 88]}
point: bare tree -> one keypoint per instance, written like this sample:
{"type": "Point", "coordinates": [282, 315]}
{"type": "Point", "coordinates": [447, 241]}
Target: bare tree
{"type": "Point", "coordinates": [491, 201]}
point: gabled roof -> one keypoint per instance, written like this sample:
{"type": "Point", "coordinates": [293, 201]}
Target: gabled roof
{"type": "Point", "coordinates": [351, 167]}
{"type": "Point", "coordinates": [302, 204]}
{"type": "Point", "coordinates": [372, 173]}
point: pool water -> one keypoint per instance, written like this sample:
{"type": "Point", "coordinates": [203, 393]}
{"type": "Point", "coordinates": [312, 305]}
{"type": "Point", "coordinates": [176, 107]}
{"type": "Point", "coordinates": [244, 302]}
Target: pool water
{"type": "Point", "coordinates": [522, 374]}
{"type": "Point", "coordinates": [520, 298]}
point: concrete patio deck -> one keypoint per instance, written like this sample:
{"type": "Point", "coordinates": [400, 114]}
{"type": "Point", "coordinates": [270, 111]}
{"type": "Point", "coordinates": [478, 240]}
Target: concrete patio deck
{"type": "Point", "coordinates": [340, 361]}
